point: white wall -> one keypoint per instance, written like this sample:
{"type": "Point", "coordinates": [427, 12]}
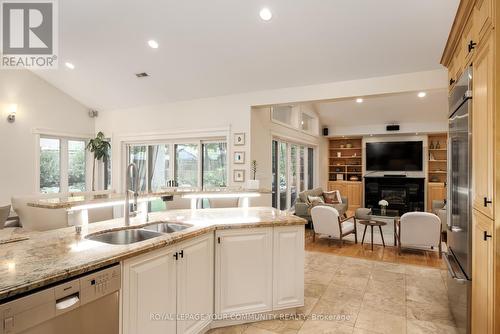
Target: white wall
{"type": "Point", "coordinates": [263, 131]}
{"type": "Point", "coordinates": [40, 106]}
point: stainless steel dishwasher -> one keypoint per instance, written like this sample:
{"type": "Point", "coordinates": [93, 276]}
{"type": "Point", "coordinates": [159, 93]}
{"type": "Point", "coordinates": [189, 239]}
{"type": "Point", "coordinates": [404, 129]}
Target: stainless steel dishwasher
{"type": "Point", "coordinates": [85, 305]}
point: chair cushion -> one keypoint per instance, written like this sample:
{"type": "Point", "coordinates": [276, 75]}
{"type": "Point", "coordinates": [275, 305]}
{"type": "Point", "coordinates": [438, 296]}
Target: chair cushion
{"type": "Point", "coordinates": [347, 226]}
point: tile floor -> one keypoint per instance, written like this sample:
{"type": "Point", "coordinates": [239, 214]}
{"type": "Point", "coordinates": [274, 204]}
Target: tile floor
{"type": "Point", "coordinates": [372, 296]}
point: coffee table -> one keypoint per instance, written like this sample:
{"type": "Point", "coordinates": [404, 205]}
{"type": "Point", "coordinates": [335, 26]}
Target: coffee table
{"type": "Point", "coordinates": [372, 223]}
{"type": "Point", "coordinates": [388, 214]}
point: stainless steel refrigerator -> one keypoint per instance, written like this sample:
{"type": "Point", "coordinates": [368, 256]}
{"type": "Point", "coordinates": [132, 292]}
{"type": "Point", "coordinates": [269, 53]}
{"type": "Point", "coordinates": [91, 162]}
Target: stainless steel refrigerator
{"type": "Point", "coordinates": [459, 210]}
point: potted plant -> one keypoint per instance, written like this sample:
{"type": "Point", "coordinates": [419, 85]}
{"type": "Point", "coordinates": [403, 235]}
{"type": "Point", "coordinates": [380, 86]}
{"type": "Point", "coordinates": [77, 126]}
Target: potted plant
{"type": "Point", "coordinates": [253, 184]}
{"type": "Point", "coordinates": [99, 146]}
{"type": "Point", "coordinates": [383, 206]}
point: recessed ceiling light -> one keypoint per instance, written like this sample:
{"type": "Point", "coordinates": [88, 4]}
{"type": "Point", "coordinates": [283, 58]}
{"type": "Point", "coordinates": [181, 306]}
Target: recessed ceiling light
{"type": "Point", "coordinates": [422, 94]}
{"type": "Point", "coordinates": [359, 100]}
{"type": "Point", "coordinates": [153, 44]}
{"type": "Point", "coordinates": [265, 14]}
{"type": "Point", "coordinates": [70, 66]}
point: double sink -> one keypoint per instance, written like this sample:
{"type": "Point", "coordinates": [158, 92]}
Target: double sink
{"type": "Point", "coordinates": [132, 235]}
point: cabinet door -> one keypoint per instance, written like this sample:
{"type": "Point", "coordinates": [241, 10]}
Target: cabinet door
{"type": "Point", "coordinates": [435, 191]}
{"type": "Point", "coordinates": [195, 283]}
{"type": "Point", "coordinates": [482, 274]}
{"type": "Point", "coordinates": [482, 129]}
{"type": "Point", "coordinates": [244, 270]}
{"type": "Point", "coordinates": [354, 195]}
{"type": "Point", "coordinates": [149, 293]}
{"type": "Point", "coordinates": [288, 271]}
{"type": "Point", "coordinates": [338, 185]}
{"type": "Point", "coordinates": [483, 17]}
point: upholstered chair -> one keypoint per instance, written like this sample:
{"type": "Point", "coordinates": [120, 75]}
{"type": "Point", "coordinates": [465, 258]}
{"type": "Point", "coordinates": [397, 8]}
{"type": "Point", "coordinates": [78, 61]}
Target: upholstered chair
{"type": "Point", "coordinates": [328, 223]}
{"type": "Point", "coordinates": [419, 229]}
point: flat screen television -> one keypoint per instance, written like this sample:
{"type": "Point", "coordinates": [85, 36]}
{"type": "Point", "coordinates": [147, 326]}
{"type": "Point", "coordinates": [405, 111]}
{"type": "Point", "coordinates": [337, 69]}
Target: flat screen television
{"type": "Point", "coordinates": [394, 156]}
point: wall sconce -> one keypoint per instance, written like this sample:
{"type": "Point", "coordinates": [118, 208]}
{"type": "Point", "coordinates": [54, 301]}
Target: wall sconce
{"type": "Point", "coordinates": [11, 110]}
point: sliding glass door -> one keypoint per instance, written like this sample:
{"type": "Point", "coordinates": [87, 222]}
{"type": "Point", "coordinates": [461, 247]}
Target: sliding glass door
{"type": "Point", "coordinates": [292, 168]}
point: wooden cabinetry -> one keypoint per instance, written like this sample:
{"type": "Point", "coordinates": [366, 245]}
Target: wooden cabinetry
{"type": "Point", "coordinates": [350, 189]}
{"type": "Point", "coordinates": [345, 159]}
{"type": "Point", "coordinates": [483, 129]}
{"type": "Point", "coordinates": [288, 267]}
{"type": "Point", "coordinates": [482, 274]}
{"type": "Point", "coordinates": [244, 271]}
{"type": "Point", "coordinates": [163, 283]}
{"type": "Point", "coordinates": [436, 191]}
{"type": "Point", "coordinates": [475, 22]}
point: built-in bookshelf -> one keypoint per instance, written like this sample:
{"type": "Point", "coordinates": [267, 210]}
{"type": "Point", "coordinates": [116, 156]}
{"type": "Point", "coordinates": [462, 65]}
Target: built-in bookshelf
{"type": "Point", "coordinates": [345, 159]}
{"type": "Point", "coordinates": [438, 156]}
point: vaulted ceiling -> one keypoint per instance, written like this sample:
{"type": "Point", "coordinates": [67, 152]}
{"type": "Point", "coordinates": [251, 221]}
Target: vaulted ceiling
{"type": "Point", "coordinates": [211, 48]}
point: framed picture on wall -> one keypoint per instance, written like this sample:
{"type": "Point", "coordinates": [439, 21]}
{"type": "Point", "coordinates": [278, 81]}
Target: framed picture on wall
{"type": "Point", "coordinates": [239, 158]}
{"type": "Point", "coordinates": [239, 175]}
{"type": "Point", "coordinates": [239, 139]}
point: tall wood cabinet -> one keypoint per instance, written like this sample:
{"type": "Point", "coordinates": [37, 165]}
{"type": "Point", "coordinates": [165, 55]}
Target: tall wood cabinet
{"type": "Point", "coordinates": [474, 41]}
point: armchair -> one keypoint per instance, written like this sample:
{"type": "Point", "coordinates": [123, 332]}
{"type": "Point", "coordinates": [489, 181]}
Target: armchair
{"type": "Point", "coordinates": [418, 229]}
{"type": "Point", "coordinates": [327, 221]}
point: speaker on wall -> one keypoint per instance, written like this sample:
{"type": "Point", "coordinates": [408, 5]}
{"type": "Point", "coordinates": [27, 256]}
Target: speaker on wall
{"type": "Point", "coordinates": [392, 127]}
{"type": "Point", "coordinates": [325, 131]}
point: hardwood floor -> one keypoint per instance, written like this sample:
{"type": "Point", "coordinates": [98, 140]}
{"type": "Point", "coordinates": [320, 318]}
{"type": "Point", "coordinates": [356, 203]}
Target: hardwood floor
{"type": "Point", "coordinates": [387, 254]}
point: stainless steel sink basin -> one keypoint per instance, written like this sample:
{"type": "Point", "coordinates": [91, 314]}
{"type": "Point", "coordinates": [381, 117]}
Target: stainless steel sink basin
{"type": "Point", "coordinates": [124, 237]}
{"type": "Point", "coordinates": [167, 227]}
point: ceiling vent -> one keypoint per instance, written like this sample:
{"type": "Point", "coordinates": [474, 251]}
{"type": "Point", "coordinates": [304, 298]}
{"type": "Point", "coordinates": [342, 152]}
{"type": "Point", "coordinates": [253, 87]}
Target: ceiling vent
{"type": "Point", "coordinates": [142, 75]}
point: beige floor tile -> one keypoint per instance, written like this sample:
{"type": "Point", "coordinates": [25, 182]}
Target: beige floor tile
{"type": "Point", "coordinates": [256, 330]}
{"type": "Point", "coordinates": [279, 326]}
{"type": "Point", "coordinates": [420, 272]}
{"type": "Point", "coordinates": [318, 277]}
{"type": "Point", "coordinates": [384, 303]}
{"type": "Point", "coordinates": [314, 290]}
{"type": "Point", "coordinates": [392, 288]}
{"type": "Point", "coordinates": [352, 282]}
{"type": "Point", "coordinates": [381, 322]}
{"type": "Point", "coordinates": [362, 331]}
{"type": "Point", "coordinates": [339, 312]}
{"type": "Point", "coordinates": [324, 327]}
{"type": "Point", "coordinates": [390, 267]}
{"type": "Point", "coordinates": [429, 312]}
{"type": "Point", "coordinates": [238, 329]}
{"type": "Point", "coordinates": [429, 296]}
{"type": "Point", "coordinates": [427, 327]}
{"type": "Point", "coordinates": [309, 303]}
{"type": "Point", "coordinates": [337, 294]}
{"type": "Point", "coordinates": [387, 277]}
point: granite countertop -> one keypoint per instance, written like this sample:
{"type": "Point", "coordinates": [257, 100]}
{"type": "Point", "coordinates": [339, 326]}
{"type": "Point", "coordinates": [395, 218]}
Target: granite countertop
{"type": "Point", "coordinates": [76, 199]}
{"type": "Point", "coordinates": [51, 256]}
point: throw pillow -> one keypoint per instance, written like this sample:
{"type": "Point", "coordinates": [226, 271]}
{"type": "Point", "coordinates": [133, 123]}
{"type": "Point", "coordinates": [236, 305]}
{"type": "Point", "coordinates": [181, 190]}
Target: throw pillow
{"type": "Point", "coordinates": [332, 197]}
{"type": "Point", "coordinates": [316, 200]}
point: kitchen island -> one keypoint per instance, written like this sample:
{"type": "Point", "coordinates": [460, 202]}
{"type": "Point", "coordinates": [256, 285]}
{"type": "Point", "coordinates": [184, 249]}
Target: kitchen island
{"type": "Point", "coordinates": [229, 261]}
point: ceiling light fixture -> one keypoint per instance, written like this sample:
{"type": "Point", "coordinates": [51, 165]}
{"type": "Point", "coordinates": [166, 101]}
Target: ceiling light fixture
{"type": "Point", "coordinates": [265, 14]}
{"type": "Point", "coordinates": [153, 44]}
{"type": "Point", "coordinates": [422, 94]}
{"type": "Point", "coordinates": [359, 100]}
{"type": "Point", "coordinates": [69, 65]}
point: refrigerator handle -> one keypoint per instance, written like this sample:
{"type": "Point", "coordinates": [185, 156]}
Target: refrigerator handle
{"type": "Point", "coordinates": [451, 271]}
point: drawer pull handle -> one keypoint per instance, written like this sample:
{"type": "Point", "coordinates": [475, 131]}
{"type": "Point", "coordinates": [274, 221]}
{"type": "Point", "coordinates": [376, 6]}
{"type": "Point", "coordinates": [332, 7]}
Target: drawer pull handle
{"type": "Point", "coordinates": [452, 81]}
{"type": "Point", "coordinates": [471, 46]}
{"type": "Point", "coordinates": [486, 236]}
{"type": "Point", "coordinates": [67, 302]}
{"type": "Point", "coordinates": [486, 202]}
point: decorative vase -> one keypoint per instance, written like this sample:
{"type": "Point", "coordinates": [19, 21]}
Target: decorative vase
{"type": "Point", "coordinates": [383, 210]}
{"type": "Point", "coordinates": [438, 146]}
{"type": "Point", "coordinates": [431, 146]}
{"type": "Point", "coordinates": [253, 184]}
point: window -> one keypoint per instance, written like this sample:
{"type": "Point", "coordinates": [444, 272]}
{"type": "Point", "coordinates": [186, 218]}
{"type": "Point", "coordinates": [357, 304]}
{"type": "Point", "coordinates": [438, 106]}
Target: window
{"type": "Point", "coordinates": [63, 165]}
{"type": "Point", "coordinates": [214, 165]}
{"type": "Point", "coordinates": [50, 165]}
{"type": "Point", "coordinates": [292, 171]}
{"type": "Point", "coordinates": [283, 114]}
{"type": "Point", "coordinates": [196, 164]}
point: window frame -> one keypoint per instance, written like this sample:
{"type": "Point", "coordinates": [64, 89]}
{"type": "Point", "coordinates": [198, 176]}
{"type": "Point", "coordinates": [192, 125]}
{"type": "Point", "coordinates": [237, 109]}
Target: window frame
{"type": "Point", "coordinates": [63, 160]}
{"type": "Point", "coordinates": [171, 143]}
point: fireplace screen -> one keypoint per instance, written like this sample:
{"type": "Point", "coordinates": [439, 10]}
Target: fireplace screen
{"type": "Point", "coordinates": [394, 196]}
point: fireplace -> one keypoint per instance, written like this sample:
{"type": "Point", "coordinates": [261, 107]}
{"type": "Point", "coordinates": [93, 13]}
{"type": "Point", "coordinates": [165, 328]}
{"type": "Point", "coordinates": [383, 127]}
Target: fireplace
{"type": "Point", "coordinates": [404, 194]}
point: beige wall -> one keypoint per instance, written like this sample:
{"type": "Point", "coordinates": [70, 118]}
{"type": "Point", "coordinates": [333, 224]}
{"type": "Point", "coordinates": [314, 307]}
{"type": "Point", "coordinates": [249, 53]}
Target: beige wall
{"type": "Point", "coordinates": [40, 106]}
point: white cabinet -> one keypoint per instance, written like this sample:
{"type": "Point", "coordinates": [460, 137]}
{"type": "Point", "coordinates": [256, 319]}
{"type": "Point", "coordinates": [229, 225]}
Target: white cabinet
{"type": "Point", "coordinates": [288, 267]}
{"type": "Point", "coordinates": [195, 284]}
{"type": "Point", "coordinates": [149, 290]}
{"type": "Point", "coordinates": [159, 285]}
{"type": "Point", "coordinates": [244, 270]}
